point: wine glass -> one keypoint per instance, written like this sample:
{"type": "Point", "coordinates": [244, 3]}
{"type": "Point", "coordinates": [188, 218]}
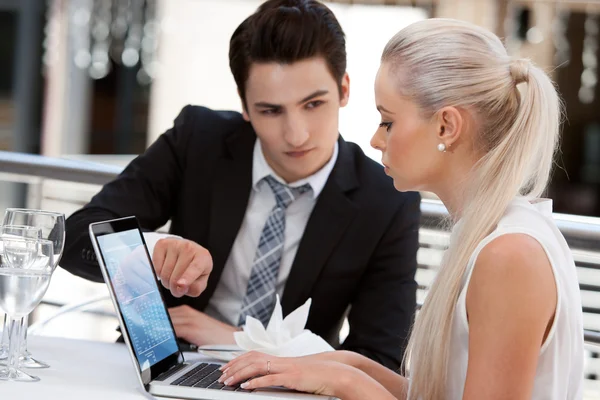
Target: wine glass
{"type": "Point", "coordinates": [30, 232]}
{"type": "Point", "coordinates": [52, 227]}
{"type": "Point", "coordinates": [13, 231]}
{"type": "Point", "coordinates": [44, 257]}
{"type": "Point", "coordinates": [24, 279]}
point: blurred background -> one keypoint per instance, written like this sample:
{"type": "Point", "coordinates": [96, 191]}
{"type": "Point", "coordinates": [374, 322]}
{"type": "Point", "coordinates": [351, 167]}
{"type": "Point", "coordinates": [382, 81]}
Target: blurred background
{"type": "Point", "coordinates": [82, 78]}
{"type": "Point", "coordinates": [96, 81]}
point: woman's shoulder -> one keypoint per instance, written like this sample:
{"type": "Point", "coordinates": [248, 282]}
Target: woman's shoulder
{"type": "Point", "coordinates": [513, 273]}
{"type": "Point", "coordinates": [510, 250]}
{"type": "Point", "coordinates": [522, 248]}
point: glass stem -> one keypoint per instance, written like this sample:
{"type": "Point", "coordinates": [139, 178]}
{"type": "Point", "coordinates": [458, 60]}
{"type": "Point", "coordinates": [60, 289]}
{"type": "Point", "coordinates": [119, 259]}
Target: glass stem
{"type": "Point", "coordinates": [14, 346]}
{"type": "Point", "coordinates": [24, 325]}
{"type": "Point", "coordinates": [4, 342]}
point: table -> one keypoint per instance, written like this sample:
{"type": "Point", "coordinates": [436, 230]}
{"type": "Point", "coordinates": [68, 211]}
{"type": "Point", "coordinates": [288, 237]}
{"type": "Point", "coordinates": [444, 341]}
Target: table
{"type": "Point", "coordinates": [80, 370]}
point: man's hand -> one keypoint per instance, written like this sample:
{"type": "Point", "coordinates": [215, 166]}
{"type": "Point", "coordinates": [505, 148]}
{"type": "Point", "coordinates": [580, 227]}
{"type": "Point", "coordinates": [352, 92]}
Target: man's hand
{"type": "Point", "coordinates": [183, 266]}
{"type": "Point", "coordinates": [200, 329]}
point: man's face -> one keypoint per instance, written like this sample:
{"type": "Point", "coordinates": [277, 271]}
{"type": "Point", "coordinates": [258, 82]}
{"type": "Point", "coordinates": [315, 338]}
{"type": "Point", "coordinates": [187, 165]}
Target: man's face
{"type": "Point", "coordinates": [294, 109]}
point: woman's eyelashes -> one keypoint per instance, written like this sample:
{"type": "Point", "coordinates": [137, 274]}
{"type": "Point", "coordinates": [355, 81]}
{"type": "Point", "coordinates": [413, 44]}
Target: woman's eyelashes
{"type": "Point", "coordinates": [386, 125]}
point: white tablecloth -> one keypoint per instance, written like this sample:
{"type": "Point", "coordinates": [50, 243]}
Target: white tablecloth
{"type": "Point", "coordinates": [79, 370]}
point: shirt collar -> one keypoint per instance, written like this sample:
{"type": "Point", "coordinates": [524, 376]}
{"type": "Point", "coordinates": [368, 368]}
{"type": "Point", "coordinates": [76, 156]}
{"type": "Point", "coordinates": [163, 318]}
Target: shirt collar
{"type": "Point", "coordinates": [260, 169]}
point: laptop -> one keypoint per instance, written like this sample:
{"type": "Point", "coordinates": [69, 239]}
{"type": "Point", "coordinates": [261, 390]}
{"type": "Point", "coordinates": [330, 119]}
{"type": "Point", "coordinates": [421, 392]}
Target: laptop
{"type": "Point", "coordinates": [147, 328]}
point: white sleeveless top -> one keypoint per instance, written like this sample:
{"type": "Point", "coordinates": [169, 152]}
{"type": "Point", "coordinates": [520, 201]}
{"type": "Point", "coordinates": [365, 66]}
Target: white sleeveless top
{"type": "Point", "coordinates": [559, 374]}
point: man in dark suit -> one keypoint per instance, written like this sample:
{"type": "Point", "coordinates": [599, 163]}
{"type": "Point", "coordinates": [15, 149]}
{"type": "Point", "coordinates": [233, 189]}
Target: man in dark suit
{"type": "Point", "coordinates": [273, 199]}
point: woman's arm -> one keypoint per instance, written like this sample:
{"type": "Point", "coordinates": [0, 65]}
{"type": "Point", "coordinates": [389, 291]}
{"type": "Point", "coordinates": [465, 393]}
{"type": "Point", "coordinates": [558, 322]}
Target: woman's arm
{"type": "Point", "coordinates": [391, 380]}
{"type": "Point", "coordinates": [511, 301]}
{"type": "Point", "coordinates": [306, 374]}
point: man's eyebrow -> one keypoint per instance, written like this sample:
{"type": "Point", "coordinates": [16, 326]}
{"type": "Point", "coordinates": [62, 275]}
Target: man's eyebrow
{"type": "Point", "coordinates": [266, 105]}
{"type": "Point", "coordinates": [311, 96]}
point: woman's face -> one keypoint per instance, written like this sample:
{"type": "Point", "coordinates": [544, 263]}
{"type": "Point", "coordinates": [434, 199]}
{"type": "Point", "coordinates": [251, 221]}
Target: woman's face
{"type": "Point", "coordinates": [407, 141]}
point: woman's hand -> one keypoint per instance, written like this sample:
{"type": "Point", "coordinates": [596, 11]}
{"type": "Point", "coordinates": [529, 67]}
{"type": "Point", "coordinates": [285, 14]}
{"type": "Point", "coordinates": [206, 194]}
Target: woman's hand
{"type": "Point", "coordinates": [304, 374]}
{"type": "Point", "coordinates": [312, 374]}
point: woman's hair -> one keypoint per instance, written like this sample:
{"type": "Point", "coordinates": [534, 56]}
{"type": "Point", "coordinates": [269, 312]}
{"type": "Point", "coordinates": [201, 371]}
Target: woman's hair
{"type": "Point", "coordinates": [441, 62]}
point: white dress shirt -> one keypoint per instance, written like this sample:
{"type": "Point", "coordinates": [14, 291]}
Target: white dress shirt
{"type": "Point", "coordinates": [226, 302]}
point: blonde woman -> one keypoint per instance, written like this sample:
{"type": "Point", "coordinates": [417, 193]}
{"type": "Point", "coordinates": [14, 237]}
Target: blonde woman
{"type": "Point", "coordinates": [503, 319]}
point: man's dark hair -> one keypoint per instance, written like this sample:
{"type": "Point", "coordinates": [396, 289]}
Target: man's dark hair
{"type": "Point", "coordinates": [286, 31]}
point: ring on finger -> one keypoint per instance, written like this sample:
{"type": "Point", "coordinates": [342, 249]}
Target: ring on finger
{"type": "Point", "coordinates": [268, 367]}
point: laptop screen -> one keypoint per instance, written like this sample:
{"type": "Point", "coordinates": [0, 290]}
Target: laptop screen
{"type": "Point", "coordinates": [139, 298]}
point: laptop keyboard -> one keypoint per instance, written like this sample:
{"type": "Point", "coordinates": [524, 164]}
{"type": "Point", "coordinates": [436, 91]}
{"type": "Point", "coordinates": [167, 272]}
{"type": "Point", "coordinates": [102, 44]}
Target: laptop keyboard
{"type": "Point", "coordinates": [170, 372]}
{"type": "Point", "coordinates": [205, 376]}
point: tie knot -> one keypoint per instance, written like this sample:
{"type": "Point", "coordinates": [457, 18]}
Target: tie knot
{"type": "Point", "coordinates": [284, 194]}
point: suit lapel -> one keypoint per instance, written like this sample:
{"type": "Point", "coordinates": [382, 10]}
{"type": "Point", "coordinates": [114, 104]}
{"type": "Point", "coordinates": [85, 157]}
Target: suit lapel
{"type": "Point", "coordinates": [229, 199]}
{"type": "Point", "coordinates": [333, 212]}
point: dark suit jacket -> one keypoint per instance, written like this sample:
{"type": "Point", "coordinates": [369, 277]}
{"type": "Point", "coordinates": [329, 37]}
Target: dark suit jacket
{"type": "Point", "coordinates": [358, 250]}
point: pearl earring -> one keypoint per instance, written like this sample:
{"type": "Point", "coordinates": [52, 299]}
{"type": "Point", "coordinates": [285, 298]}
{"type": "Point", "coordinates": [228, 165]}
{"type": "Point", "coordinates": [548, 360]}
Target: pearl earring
{"type": "Point", "coordinates": [441, 147]}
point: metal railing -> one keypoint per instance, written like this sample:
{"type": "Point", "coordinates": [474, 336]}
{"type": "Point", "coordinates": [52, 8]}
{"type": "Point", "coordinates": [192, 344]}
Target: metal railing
{"type": "Point", "coordinates": [582, 233]}
{"type": "Point", "coordinates": [32, 165]}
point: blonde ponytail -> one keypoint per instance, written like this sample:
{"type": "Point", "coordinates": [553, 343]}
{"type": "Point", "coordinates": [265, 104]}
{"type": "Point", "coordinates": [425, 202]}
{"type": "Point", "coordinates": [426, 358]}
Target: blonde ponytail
{"type": "Point", "coordinates": [454, 63]}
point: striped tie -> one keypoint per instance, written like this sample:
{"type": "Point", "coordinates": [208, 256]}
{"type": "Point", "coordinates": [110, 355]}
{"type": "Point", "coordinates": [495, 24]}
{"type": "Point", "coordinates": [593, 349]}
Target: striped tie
{"type": "Point", "coordinates": [259, 301]}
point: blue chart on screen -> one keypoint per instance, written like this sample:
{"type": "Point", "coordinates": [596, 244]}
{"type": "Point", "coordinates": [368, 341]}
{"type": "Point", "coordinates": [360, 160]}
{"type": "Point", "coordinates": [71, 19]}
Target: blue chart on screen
{"type": "Point", "coordinates": [138, 296]}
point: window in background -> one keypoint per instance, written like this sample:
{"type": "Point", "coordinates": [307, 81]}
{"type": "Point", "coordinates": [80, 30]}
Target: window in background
{"type": "Point", "coordinates": [118, 112]}
{"type": "Point", "coordinates": [8, 39]}
{"type": "Point", "coordinates": [117, 54]}
{"type": "Point", "coordinates": [576, 184]}
{"type": "Point", "coordinates": [8, 28]}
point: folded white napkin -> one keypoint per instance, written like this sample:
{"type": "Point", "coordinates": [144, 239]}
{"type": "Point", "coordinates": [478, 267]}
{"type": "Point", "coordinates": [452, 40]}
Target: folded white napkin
{"type": "Point", "coordinates": [283, 337]}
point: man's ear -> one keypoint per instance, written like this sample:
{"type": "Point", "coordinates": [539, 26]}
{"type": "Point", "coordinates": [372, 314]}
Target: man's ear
{"type": "Point", "coordinates": [450, 124]}
{"type": "Point", "coordinates": [244, 110]}
{"type": "Point", "coordinates": [345, 90]}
